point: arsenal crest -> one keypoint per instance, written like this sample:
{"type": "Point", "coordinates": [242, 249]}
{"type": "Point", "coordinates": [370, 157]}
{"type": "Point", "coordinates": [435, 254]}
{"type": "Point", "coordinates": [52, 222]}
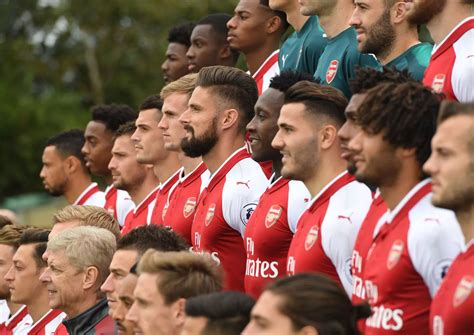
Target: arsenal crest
{"type": "Point", "coordinates": [210, 214]}
{"type": "Point", "coordinates": [272, 216]}
{"type": "Point", "coordinates": [332, 70]}
{"type": "Point", "coordinates": [311, 237]}
{"type": "Point", "coordinates": [438, 83]}
{"type": "Point", "coordinates": [189, 207]}
{"type": "Point", "coordinates": [395, 254]}
{"type": "Point", "coordinates": [463, 290]}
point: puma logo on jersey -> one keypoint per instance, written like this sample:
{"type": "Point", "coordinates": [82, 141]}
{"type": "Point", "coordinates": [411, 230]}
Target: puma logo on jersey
{"type": "Point", "coordinates": [246, 183]}
{"type": "Point", "coordinates": [283, 59]}
{"type": "Point", "coordinates": [344, 217]}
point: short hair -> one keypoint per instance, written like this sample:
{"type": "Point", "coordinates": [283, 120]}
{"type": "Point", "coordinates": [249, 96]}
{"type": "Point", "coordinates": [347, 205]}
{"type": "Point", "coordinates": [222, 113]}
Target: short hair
{"type": "Point", "coordinates": [368, 77]}
{"type": "Point", "coordinates": [319, 100]}
{"type": "Point", "coordinates": [181, 274]}
{"type": "Point", "coordinates": [88, 216]}
{"type": "Point", "coordinates": [181, 34]}
{"type": "Point", "coordinates": [113, 116]}
{"type": "Point", "coordinates": [184, 85]}
{"type": "Point", "coordinates": [218, 23]}
{"type": "Point", "coordinates": [279, 13]}
{"type": "Point", "coordinates": [227, 312]}
{"type": "Point", "coordinates": [315, 300]}
{"type": "Point", "coordinates": [68, 143]}
{"type": "Point", "coordinates": [126, 129]}
{"type": "Point", "coordinates": [404, 113]}
{"type": "Point", "coordinates": [152, 237]}
{"type": "Point", "coordinates": [287, 78]}
{"type": "Point", "coordinates": [39, 237]}
{"type": "Point", "coordinates": [86, 246]}
{"type": "Point", "coordinates": [152, 102]}
{"type": "Point", "coordinates": [233, 88]}
{"type": "Point", "coordinates": [4, 221]}
{"type": "Point", "coordinates": [11, 234]}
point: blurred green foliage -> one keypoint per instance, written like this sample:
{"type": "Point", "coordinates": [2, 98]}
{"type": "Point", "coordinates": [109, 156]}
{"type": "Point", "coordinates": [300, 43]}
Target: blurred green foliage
{"type": "Point", "coordinates": [60, 57]}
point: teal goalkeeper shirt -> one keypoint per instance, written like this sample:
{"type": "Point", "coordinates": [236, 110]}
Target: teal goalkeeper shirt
{"type": "Point", "coordinates": [302, 49]}
{"type": "Point", "coordinates": [415, 59]}
{"type": "Point", "coordinates": [339, 60]}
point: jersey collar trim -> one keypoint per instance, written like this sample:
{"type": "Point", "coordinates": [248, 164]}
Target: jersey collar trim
{"type": "Point", "coordinates": [145, 202]}
{"type": "Point", "coordinates": [228, 164]}
{"type": "Point", "coordinates": [193, 175]}
{"type": "Point", "coordinates": [332, 187]}
{"type": "Point", "coordinates": [87, 193]}
{"type": "Point", "coordinates": [266, 65]}
{"type": "Point", "coordinates": [453, 36]}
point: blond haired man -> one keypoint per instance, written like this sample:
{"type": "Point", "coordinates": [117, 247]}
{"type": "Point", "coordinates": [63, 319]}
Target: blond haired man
{"type": "Point", "coordinates": [78, 264]}
{"type": "Point", "coordinates": [165, 281]}
{"type": "Point", "coordinates": [178, 213]}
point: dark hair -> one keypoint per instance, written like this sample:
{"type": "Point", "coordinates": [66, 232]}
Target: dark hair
{"type": "Point", "coordinates": [449, 109]}
{"type": "Point", "coordinates": [152, 237]}
{"type": "Point", "coordinates": [181, 33]}
{"type": "Point", "coordinates": [152, 102]}
{"type": "Point", "coordinates": [68, 143]}
{"type": "Point", "coordinates": [319, 99]}
{"type": "Point", "coordinates": [126, 129]}
{"type": "Point", "coordinates": [405, 114]}
{"type": "Point", "coordinates": [227, 312]}
{"type": "Point", "coordinates": [218, 22]}
{"type": "Point", "coordinates": [113, 116]}
{"type": "Point", "coordinates": [288, 78]}
{"type": "Point", "coordinates": [279, 13]}
{"type": "Point", "coordinates": [39, 237]}
{"type": "Point", "coordinates": [233, 88]}
{"type": "Point", "coordinates": [4, 221]}
{"type": "Point", "coordinates": [368, 77]}
{"type": "Point", "coordinates": [314, 300]}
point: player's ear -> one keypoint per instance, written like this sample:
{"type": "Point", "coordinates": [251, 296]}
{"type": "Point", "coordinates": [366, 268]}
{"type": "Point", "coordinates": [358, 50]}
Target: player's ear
{"type": "Point", "coordinates": [71, 164]}
{"type": "Point", "coordinates": [327, 136]}
{"type": "Point", "coordinates": [229, 118]}
{"type": "Point", "coordinates": [225, 52]}
{"type": "Point", "coordinates": [399, 12]}
{"type": "Point", "coordinates": [273, 24]}
{"type": "Point", "coordinates": [308, 330]}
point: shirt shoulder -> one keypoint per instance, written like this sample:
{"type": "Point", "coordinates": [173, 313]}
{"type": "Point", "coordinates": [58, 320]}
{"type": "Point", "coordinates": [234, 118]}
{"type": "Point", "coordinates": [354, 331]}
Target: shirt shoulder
{"type": "Point", "coordinates": [463, 69]}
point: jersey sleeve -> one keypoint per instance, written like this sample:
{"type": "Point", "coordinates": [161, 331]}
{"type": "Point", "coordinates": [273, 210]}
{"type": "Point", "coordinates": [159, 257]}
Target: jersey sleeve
{"type": "Point", "coordinates": [124, 206]}
{"type": "Point", "coordinates": [463, 69]}
{"type": "Point", "coordinates": [434, 240]}
{"type": "Point", "coordinates": [346, 211]}
{"type": "Point", "coordinates": [298, 200]}
{"type": "Point", "coordinates": [243, 187]}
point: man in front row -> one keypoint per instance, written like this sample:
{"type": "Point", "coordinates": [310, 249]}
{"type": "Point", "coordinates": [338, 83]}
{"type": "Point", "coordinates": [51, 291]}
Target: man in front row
{"type": "Point", "coordinates": [78, 264]}
{"type": "Point", "coordinates": [26, 287]}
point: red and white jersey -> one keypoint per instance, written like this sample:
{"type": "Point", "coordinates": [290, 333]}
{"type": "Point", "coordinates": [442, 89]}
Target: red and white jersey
{"type": "Point", "coordinates": [327, 230]}
{"type": "Point", "coordinates": [362, 245]}
{"type": "Point", "coordinates": [266, 71]}
{"type": "Point", "coordinates": [183, 199]}
{"type": "Point", "coordinates": [118, 203]}
{"type": "Point", "coordinates": [451, 67]}
{"type": "Point", "coordinates": [161, 199]}
{"type": "Point", "coordinates": [269, 232]}
{"type": "Point", "coordinates": [140, 215]}
{"type": "Point", "coordinates": [92, 196]}
{"type": "Point", "coordinates": [4, 311]}
{"type": "Point", "coordinates": [223, 210]}
{"type": "Point", "coordinates": [48, 324]}
{"type": "Point", "coordinates": [452, 308]}
{"type": "Point", "coordinates": [413, 248]}
{"type": "Point", "coordinates": [18, 324]}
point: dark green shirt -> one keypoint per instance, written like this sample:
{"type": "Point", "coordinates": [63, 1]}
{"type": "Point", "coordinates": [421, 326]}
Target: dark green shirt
{"type": "Point", "coordinates": [302, 49]}
{"type": "Point", "coordinates": [339, 60]}
{"type": "Point", "coordinates": [414, 59]}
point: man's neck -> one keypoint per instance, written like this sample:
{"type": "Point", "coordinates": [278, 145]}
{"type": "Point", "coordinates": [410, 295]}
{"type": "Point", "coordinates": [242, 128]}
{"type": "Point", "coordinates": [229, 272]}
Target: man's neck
{"type": "Point", "coordinates": [13, 307]}
{"type": "Point", "coordinates": [221, 151]}
{"type": "Point", "coordinates": [405, 40]}
{"type": "Point", "coordinates": [276, 168]}
{"type": "Point", "coordinates": [337, 20]}
{"type": "Point", "coordinates": [167, 167]}
{"type": "Point", "coordinates": [294, 18]}
{"type": "Point", "coordinates": [81, 306]}
{"type": "Point", "coordinates": [189, 164]}
{"type": "Point", "coordinates": [328, 169]}
{"type": "Point", "coordinates": [39, 307]}
{"type": "Point", "coordinates": [140, 192]}
{"type": "Point", "coordinates": [442, 24]}
{"type": "Point", "coordinates": [466, 220]}
{"type": "Point", "coordinates": [77, 185]}
{"type": "Point", "coordinates": [399, 185]}
{"type": "Point", "coordinates": [256, 58]}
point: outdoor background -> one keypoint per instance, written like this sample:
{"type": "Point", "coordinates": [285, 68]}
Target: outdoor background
{"type": "Point", "coordinates": [60, 57]}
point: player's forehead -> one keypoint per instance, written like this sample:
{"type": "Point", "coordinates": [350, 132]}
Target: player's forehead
{"type": "Point", "coordinates": [250, 6]}
{"type": "Point", "coordinates": [203, 32]}
{"type": "Point", "coordinates": [95, 129]}
{"type": "Point", "coordinates": [455, 131]}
